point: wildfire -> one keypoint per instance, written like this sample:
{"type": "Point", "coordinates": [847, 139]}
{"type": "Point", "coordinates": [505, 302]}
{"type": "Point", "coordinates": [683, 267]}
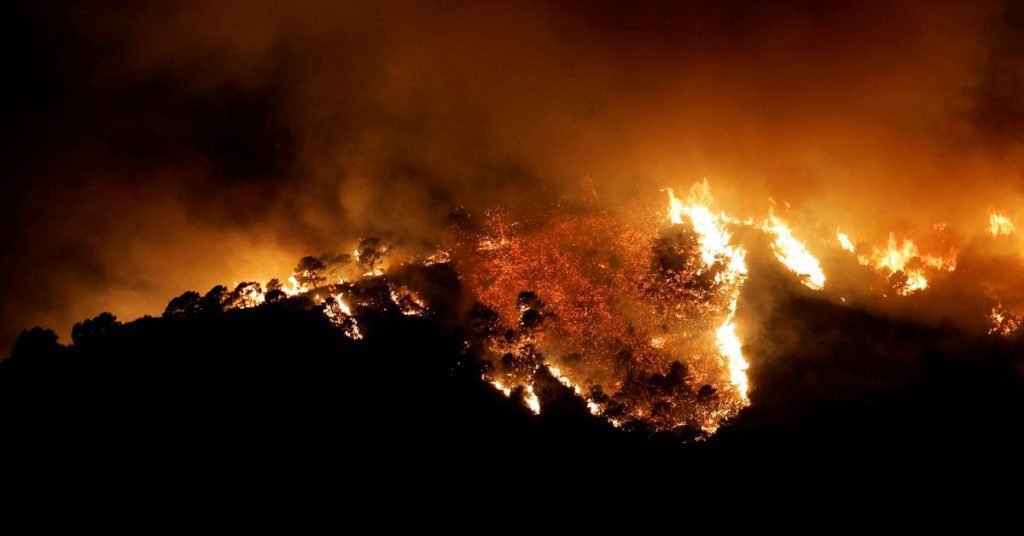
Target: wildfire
{"type": "Point", "coordinates": [904, 264]}
{"type": "Point", "coordinates": [529, 395]}
{"type": "Point", "coordinates": [409, 302]}
{"type": "Point", "coordinates": [711, 230]}
{"type": "Point", "coordinates": [714, 238]}
{"type": "Point", "coordinates": [894, 257]}
{"type": "Point", "coordinates": [1003, 321]}
{"type": "Point", "coordinates": [999, 224]}
{"type": "Point", "coordinates": [794, 254]}
{"type": "Point", "coordinates": [507, 391]}
{"type": "Point", "coordinates": [294, 288]}
{"type": "Point", "coordinates": [531, 400]}
{"type": "Point", "coordinates": [915, 281]}
{"type": "Point", "coordinates": [639, 320]}
{"type": "Point", "coordinates": [246, 295]}
{"type": "Point", "coordinates": [716, 251]}
{"type": "Point", "coordinates": [730, 346]}
{"type": "Point", "coordinates": [844, 241]}
{"type": "Point", "coordinates": [594, 407]}
{"type": "Point", "coordinates": [340, 314]}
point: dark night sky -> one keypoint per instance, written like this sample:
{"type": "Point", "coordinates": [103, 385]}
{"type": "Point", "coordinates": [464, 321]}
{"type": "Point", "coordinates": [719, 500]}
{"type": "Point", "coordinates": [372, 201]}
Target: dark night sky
{"type": "Point", "coordinates": [154, 149]}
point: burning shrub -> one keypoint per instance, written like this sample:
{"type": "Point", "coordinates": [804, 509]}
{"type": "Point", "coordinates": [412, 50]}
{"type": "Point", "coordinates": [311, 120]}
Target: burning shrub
{"type": "Point", "coordinates": [623, 313]}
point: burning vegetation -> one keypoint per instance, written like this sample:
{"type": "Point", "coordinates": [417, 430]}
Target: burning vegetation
{"type": "Point", "coordinates": [634, 318]}
{"type": "Point", "coordinates": [639, 318]}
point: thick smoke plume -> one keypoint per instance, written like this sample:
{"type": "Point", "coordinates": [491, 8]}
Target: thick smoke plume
{"type": "Point", "coordinates": [157, 149]}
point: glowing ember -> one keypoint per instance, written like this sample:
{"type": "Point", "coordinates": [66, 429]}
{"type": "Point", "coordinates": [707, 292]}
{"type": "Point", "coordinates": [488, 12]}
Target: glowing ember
{"type": "Point", "coordinates": [794, 254]}
{"type": "Point", "coordinates": [1003, 321]}
{"type": "Point", "coordinates": [409, 302]}
{"type": "Point", "coordinates": [439, 257]}
{"type": "Point", "coordinates": [998, 224]}
{"type": "Point", "coordinates": [636, 317]}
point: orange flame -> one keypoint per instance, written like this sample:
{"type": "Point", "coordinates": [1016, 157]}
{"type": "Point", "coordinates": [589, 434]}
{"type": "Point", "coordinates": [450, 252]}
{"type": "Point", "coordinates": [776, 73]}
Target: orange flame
{"type": "Point", "coordinates": [792, 253]}
{"type": "Point", "coordinates": [999, 224]}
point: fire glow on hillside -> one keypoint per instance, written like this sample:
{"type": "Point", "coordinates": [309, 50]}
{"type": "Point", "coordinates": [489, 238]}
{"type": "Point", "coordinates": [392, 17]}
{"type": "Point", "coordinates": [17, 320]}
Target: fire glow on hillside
{"type": "Point", "coordinates": [637, 318]}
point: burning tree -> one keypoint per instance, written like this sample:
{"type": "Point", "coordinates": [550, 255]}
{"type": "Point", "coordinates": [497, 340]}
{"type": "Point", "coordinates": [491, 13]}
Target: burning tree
{"type": "Point", "coordinates": [246, 294]}
{"type": "Point", "coordinates": [310, 272]}
{"type": "Point", "coordinates": [371, 252]}
{"type": "Point", "coordinates": [275, 291]}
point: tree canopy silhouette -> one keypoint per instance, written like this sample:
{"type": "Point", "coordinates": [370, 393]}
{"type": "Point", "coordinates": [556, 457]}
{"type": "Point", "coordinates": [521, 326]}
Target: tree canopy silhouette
{"type": "Point", "coordinates": [310, 272]}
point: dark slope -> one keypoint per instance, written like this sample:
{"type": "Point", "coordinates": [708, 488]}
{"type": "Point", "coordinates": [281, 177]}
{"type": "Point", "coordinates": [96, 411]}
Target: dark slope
{"type": "Point", "coordinates": [278, 390]}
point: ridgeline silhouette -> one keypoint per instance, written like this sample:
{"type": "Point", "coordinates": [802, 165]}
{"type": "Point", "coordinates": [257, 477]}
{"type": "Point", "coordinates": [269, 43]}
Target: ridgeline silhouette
{"type": "Point", "coordinates": [279, 385]}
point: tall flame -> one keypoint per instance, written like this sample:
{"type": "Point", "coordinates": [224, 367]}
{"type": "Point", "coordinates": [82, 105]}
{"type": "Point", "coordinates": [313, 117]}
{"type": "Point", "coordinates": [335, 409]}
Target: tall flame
{"type": "Point", "coordinates": [714, 237]}
{"type": "Point", "coordinates": [730, 346]}
{"type": "Point", "coordinates": [844, 241]}
{"type": "Point", "coordinates": [904, 257]}
{"type": "Point", "coordinates": [792, 253]}
{"type": "Point", "coordinates": [712, 234]}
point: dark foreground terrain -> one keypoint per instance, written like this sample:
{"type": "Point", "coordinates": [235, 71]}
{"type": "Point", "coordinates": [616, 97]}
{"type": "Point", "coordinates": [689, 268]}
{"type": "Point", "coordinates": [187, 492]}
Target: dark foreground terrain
{"type": "Point", "coordinates": [279, 392]}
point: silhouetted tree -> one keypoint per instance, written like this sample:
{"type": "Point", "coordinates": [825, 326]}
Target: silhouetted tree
{"type": "Point", "coordinates": [528, 300]}
{"type": "Point", "coordinates": [274, 295]}
{"type": "Point", "coordinates": [677, 250]}
{"type": "Point", "coordinates": [336, 264]}
{"type": "Point", "coordinates": [532, 308]}
{"type": "Point", "coordinates": [310, 272]}
{"type": "Point", "coordinates": [274, 284]}
{"type": "Point", "coordinates": [215, 300]}
{"type": "Point", "coordinates": [371, 252]}
{"type": "Point", "coordinates": [484, 320]}
{"type": "Point", "coordinates": [185, 305]}
{"type": "Point", "coordinates": [94, 329]}
{"type": "Point", "coordinates": [676, 380]}
{"type": "Point", "coordinates": [34, 343]}
{"type": "Point", "coordinates": [706, 392]}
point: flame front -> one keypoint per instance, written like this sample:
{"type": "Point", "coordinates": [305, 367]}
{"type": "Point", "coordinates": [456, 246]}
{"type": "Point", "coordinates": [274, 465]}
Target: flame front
{"type": "Point", "coordinates": [793, 253]}
{"type": "Point", "coordinates": [711, 231]}
{"type": "Point", "coordinates": [905, 265]}
{"type": "Point", "coordinates": [730, 346]}
{"type": "Point", "coordinates": [637, 318]}
{"type": "Point", "coordinates": [714, 237]}
{"type": "Point", "coordinates": [999, 224]}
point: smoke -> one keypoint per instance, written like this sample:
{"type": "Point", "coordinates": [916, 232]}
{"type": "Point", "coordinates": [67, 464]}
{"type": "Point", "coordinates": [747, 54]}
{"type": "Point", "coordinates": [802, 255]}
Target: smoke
{"type": "Point", "coordinates": [157, 150]}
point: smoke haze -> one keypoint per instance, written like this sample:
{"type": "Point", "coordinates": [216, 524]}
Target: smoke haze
{"type": "Point", "coordinates": [159, 150]}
